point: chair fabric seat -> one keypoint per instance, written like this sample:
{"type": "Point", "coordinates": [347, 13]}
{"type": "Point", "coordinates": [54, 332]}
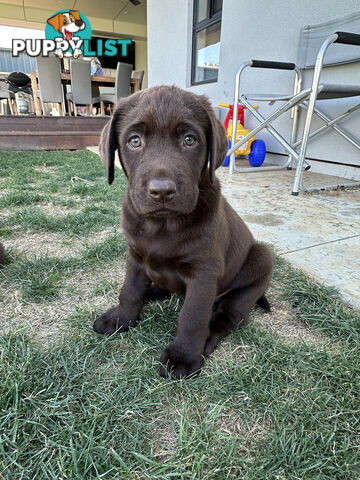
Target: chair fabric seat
{"type": "Point", "coordinates": [122, 84]}
{"type": "Point", "coordinates": [107, 97]}
{"type": "Point", "coordinates": [4, 94]}
{"type": "Point", "coordinates": [326, 92]}
{"type": "Point", "coordinates": [69, 96]}
{"type": "Point", "coordinates": [335, 90]}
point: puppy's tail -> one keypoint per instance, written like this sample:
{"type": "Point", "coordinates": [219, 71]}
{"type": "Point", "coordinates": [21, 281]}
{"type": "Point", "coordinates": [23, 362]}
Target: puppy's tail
{"type": "Point", "coordinates": [264, 304]}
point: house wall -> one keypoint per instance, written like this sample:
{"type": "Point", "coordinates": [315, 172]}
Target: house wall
{"type": "Point", "coordinates": [263, 30]}
{"type": "Point", "coordinates": [141, 59]}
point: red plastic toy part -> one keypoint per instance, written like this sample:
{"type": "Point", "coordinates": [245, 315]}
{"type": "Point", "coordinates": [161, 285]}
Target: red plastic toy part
{"type": "Point", "coordinates": [230, 114]}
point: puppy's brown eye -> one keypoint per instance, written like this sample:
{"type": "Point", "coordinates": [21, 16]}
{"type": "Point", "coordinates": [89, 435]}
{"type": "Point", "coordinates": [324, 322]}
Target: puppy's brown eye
{"type": "Point", "coordinates": [135, 141]}
{"type": "Point", "coordinates": [189, 140]}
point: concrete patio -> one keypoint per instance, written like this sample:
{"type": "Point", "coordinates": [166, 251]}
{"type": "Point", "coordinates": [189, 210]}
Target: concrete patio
{"type": "Point", "coordinates": [317, 232]}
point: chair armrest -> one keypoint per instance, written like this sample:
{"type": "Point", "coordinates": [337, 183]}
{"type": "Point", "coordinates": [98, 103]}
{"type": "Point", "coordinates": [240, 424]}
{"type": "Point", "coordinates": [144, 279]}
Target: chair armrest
{"type": "Point", "coordinates": [348, 38]}
{"type": "Point", "coordinates": [276, 65]}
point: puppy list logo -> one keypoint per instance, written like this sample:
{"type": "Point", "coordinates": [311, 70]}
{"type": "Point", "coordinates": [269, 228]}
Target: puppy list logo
{"type": "Point", "coordinates": [68, 34]}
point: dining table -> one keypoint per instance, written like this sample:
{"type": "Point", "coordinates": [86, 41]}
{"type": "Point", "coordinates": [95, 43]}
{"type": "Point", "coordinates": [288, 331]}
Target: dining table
{"type": "Point", "coordinates": [96, 80]}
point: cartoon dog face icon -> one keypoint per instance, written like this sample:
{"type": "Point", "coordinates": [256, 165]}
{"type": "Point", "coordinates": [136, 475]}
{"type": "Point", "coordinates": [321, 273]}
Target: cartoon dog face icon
{"type": "Point", "coordinates": [67, 23]}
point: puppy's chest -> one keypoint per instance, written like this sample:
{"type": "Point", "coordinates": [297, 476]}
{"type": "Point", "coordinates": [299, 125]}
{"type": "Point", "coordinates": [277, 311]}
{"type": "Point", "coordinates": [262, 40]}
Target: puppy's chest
{"type": "Point", "coordinates": [168, 271]}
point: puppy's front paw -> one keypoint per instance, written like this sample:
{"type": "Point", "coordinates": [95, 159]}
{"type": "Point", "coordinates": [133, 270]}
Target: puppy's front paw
{"type": "Point", "coordinates": [112, 321]}
{"type": "Point", "coordinates": [180, 362]}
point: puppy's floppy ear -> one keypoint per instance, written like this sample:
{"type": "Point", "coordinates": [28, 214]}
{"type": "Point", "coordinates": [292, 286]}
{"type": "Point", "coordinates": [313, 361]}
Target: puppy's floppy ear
{"type": "Point", "coordinates": [217, 141]}
{"type": "Point", "coordinates": [108, 146]}
{"type": "Point", "coordinates": [75, 13]}
{"type": "Point", "coordinates": [56, 21]}
{"type": "Point", "coordinates": [109, 135]}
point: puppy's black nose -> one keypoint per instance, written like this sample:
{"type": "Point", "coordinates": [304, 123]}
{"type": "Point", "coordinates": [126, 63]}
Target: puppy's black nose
{"type": "Point", "coordinates": [162, 190]}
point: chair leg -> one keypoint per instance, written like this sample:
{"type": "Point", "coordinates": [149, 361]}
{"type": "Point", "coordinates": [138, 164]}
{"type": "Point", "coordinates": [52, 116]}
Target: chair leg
{"type": "Point", "coordinates": [102, 108]}
{"type": "Point", "coordinates": [293, 135]}
{"type": "Point", "coordinates": [10, 106]}
{"type": "Point", "coordinates": [311, 108]}
{"type": "Point", "coordinates": [75, 110]}
{"type": "Point", "coordinates": [69, 108]}
{"type": "Point", "coordinates": [16, 112]}
{"type": "Point", "coordinates": [62, 109]}
{"type": "Point", "coordinates": [300, 166]}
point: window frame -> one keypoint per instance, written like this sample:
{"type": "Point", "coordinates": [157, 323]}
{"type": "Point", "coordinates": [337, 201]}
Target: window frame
{"type": "Point", "coordinates": [212, 18]}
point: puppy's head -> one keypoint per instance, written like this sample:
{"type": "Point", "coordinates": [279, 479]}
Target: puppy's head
{"type": "Point", "coordinates": [67, 23]}
{"type": "Point", "coordinates": [168, 140]}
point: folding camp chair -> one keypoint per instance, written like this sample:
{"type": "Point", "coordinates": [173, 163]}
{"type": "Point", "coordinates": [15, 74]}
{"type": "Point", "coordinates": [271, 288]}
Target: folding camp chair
{"type": "Point", "coordinates": [310, 55]}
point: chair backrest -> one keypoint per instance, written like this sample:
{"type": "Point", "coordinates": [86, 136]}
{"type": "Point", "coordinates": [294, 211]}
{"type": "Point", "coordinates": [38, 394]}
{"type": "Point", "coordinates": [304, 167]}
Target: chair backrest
{"type": "Point", "coordinates": [138, 74]}
{"type": "Point", "coordinates": [122, 80]}
{"type": "Point", "coordinates": [49, 79]}
{"type": "Point", "coordinates": [3, 86]}
{"type": "Point", "coordinates": [312, 36]}
{"type": "Point", "coordinates": [80, 72]}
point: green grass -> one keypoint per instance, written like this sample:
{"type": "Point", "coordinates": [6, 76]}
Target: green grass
{"type": "Point", "coordinates": [21, 198]}
{"type": "Point", "coordinates": [39, 279]}
{"type": "Point", "coordinates": [79, 405]}
{"type": "Point", "coordinates": [96, 406]}
{"type": "Point", "coordinates": [89, 219]}
{"type": "Point", "coordinates": [321, 306]}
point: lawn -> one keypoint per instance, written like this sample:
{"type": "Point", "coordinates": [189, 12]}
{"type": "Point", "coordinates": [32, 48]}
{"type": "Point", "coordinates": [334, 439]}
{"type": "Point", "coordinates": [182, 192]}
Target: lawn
{"type": "Point", "coordinates": [278, 399]}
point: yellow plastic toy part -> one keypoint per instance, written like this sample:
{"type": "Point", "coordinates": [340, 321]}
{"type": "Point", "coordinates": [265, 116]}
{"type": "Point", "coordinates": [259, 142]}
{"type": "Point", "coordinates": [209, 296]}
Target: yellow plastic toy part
{"type": "Point", "coordinates": [241, 132]}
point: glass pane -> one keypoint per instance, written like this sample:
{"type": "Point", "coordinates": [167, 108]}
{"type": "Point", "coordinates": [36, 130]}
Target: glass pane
{"type": "Point", "coordinates": [207, 53]}
{"type": "Point", "coordinates": [217, 6]}
{"type": "Point", "coordinates": [201, 10]}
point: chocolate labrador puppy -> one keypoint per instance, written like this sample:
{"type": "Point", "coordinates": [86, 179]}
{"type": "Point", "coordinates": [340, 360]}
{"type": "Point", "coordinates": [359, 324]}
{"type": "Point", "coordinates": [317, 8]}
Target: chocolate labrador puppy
{"type": "Point", "coordinates": [182, 235]}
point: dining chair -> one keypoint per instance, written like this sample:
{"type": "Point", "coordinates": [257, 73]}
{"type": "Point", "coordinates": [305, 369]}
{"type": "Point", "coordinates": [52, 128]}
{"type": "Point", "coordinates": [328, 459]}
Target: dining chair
{"type": "Point", "coordinates": [139, 74]}
{"type": "Point", "coordinates": [51, 90]}
{"type": "Point", "coordinates": [6, 94]}
{"type": "Point", "coordinates": [122, 85]}
{"type": "Point", "coordinates": [82, 92]}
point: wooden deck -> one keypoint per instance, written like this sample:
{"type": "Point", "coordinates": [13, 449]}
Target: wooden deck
{"type": "Point", "coordinates": [20, 132]}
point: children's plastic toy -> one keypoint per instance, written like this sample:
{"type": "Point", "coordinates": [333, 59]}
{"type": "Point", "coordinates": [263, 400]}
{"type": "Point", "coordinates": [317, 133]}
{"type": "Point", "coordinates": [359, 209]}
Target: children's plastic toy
{"type": "Point", "coordinates": [256, 149]}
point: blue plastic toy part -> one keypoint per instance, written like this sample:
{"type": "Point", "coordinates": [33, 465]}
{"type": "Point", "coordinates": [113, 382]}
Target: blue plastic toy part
{"type": "Point", "coordinates": [226, 162]}
{"type": "Point", "coordinates": [257, 154]}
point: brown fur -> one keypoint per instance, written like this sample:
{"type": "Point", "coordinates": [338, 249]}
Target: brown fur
{"type": "Point", "coordinates": [198, 247]}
